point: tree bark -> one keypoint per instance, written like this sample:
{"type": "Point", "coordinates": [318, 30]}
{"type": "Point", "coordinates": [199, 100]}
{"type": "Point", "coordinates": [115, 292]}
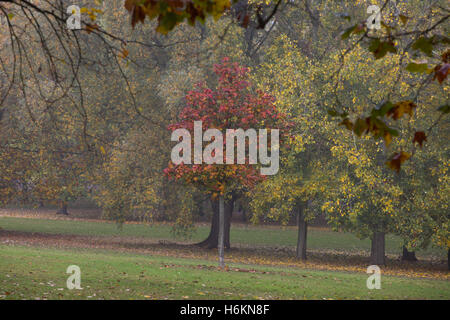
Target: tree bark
{"type": "Point", "coordinates": [63, 209]}
{"type": "Point", "coordinates": [221, 232]}
{"type": "Point", "coordinates": [448, 259]}
{"type": "Point", "coordinates": [378, 249]}
{"type": "Point", "coordinates": [302, 235]}
{"type": "Point", "coordinates": [408, 255]}
{"type": "Point", "coordinates": [211, 242]}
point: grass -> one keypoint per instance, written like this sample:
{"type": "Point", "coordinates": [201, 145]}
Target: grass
{"type": "Point", "coordinates": [244, 235]}
{"type": "Point", "coordinates": [39, 273]}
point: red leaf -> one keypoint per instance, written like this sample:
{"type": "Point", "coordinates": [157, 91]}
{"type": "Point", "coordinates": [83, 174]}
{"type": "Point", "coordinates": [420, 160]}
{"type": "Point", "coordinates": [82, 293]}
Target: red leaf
{"type": "Point", "coordinates": [441, 72]}
{"type": "Point", "coordinates": [419, 137]}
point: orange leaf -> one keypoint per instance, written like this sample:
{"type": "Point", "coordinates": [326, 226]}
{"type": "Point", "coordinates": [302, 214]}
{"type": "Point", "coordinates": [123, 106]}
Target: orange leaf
{"type": "Point", "coordinates": [347, 123]}
{"type": "Point", "coordinates": [396, 161]}
{"type": "Point", "coordinates": [400, 108]}
{"type": "Point", "coordinates": [91, 27]}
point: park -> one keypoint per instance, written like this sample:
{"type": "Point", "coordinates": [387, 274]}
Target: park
{"type": "Point", "coordinates": [136, 162]}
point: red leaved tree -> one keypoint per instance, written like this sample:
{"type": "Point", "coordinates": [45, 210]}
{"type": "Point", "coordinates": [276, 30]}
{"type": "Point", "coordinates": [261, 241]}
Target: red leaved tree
{"type": "Point", "coordinates": [233, 104]}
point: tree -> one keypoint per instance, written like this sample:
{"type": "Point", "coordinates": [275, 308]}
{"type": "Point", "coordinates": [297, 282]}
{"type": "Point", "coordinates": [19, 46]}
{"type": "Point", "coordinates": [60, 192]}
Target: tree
{"type": "Point", "coordinates": [416, 34]}
{"type": "Point", "coordinates": [232, 104]}
{"type": "Point", "coordinates": [296, 190]}
{"type": "Point", "coordinates": [366, 198]}
{"type": "Point", "coordinates": [423, 218]}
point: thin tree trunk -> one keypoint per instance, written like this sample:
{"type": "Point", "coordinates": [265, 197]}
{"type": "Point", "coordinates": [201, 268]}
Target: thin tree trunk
{"type": "Point", "coordinates": [408, 255]}
{"type": "Point", "coordinates": [221, 232]}
{"type": "Point", "coordinates": [372, 248]}
{"type": "Point", "coordinates": [448, 259]}
{"type": "Point", "coordinates": [228, 206]}
{"type": "Point", "coordinates": [302, 234]}
{"type": "Point", "coordinates": [378, 249]}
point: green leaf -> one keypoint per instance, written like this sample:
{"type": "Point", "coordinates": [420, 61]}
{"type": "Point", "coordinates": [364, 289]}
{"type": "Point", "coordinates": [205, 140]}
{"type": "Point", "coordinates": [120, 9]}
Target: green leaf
{"type": "Point", "coordinates": [382, 109]}
{"type": "Point", "coordinates": [348, 31]}
{"type": "Point", "coordinates": [381, 48]}
{"type": "Point", "coordinates": [417, 67]}
{"type": "Point", "coordinates": [360, 126]}
{"type": "Point", "coordinates": [167, 23]}
{"type": "Point", "coordinates": [394, 132]}
{"type": "Point", "coordinates": [332, 112]}
{"type": "Point", "coordinates": [444, 108]}
{"type": "Point", "coordinates": [390, 47]}
{"type": "Point", "coordinates": [424, 44]}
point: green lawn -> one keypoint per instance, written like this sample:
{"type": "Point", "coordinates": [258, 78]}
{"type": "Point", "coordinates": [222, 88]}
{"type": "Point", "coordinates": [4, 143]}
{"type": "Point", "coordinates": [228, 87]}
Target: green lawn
{"type": "Point", "coordinates": [37, 273]}
{"type": "Point", "coordinates": [245, 235]}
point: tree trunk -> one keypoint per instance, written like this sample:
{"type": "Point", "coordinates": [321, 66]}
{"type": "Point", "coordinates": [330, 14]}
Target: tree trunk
{"type": "Point", "coordinates": [408, 255]}
{"type": "Point", "coordinates": [221, 232]}
{"type": "Point", "coordinates": [448, 259]}
{"type": "Point", "coordinates": [63, 209]}
{"type": "Point", "coordinates": [228, 206]}
{"type": "Point", "coordinates": [244, 215]}
{"type": "Point", "coordinates": [211, 241]}
{"type": "Point", "coordinates": [377, 256]}
{"type": "Point", "coordinates": [302, 234]}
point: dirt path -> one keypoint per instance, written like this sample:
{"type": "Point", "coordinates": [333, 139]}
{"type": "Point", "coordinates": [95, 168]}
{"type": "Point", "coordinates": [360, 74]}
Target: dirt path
{"type": "Point", "coordinates": [247, 255]}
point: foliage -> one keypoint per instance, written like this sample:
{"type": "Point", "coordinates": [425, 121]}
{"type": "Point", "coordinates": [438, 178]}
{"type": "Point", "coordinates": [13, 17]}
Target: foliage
{"type": "Point", "coordinates": [231, 105]}
{"type": "Point", "coordinates": [302, 178]}
{"type": "Point", "coordinates": [171, 13]}
{"type": "Point", "coordinates": [421, 49]}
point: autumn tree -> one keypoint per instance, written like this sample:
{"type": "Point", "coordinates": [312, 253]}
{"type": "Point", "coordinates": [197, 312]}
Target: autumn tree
{"type": "Point", "coordinates": [422, 219]}
{"type": "Point", "coordinates": [413, 34]}
{"type": "Point", "coordinates": [368, 195]}
{"type": "Point", "coordinates": [234, 103]}
{"type": "Point", "coordinates": [297, 190]}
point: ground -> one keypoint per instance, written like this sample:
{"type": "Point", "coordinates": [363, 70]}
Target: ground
{"type": "Point", "coordinates": [140, 261]}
